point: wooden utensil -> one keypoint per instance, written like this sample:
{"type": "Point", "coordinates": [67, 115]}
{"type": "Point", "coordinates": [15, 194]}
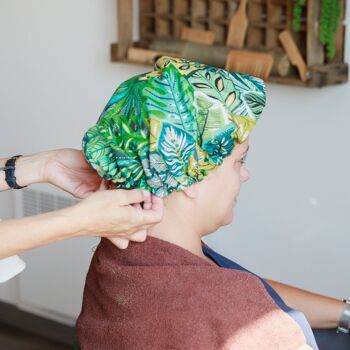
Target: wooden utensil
{"type": "Point", "coordinates": [210, 55]}
{"type": "Point", "coordinates": [197, 36]}
{"type": "Point", "coordinates": [216, 55]}
{"type": "Point", "coordinates": [294, 54]}
{"type": "Point", "coordinates": [249, 62]}
{"type": "Point", "coordinates": [281, 65]}
{"type": "Point", "coordinates": [145, 56]}
{"type": "Point", "coordinates": [238, 27]}
{"type": "Point", "coordinates": [125, 9]}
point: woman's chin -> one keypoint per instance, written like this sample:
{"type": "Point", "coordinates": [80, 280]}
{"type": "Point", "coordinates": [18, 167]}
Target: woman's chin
{"type": "Point", "coordinates": [228, 220]}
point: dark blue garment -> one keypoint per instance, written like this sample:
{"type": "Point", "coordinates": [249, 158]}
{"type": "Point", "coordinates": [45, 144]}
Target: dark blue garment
{"type": "Point", "coordinates": [296, 315]}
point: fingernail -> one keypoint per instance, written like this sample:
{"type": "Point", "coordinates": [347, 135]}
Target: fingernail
{"type": "Point", "coordinates": [124, 244]}
{"type": "Point", "coordinates": [146, 194]}
{"type": "Point", "coordinates": [147, 206]}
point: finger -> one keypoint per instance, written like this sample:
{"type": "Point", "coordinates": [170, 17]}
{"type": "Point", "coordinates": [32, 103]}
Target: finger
{"type": "Point", "coordinates": [134, 196]}
{"type": "Point", "coordinates": [82, 195]}
{"type": "Point", "coordinates": [139, 236]}
{"type": "Point", "coordinates": [137, 206]}
{"type": "Point", "coordinates": [121, 243]}
{"type": "Point", "coordinates": [147, 204]}
{"type": "Point", "coordinates": [153, 215]}
{"type": "Point", "coordinates": [103, 185]}
{"type": "Point", "coordinates": [157, 205]}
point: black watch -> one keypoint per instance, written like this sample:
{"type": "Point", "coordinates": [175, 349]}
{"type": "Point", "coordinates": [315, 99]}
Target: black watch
{"type": "Point", "coordinates": [10, 177]}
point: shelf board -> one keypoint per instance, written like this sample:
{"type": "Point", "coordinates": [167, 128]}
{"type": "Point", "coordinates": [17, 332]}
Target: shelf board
{"type": "Point", "coordinates": [323, 75]}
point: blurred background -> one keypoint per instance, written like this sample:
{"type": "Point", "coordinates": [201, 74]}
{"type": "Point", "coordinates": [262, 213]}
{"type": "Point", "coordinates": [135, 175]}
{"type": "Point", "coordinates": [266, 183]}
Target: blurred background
{"type": "Point", "coordinates": [56, 75]}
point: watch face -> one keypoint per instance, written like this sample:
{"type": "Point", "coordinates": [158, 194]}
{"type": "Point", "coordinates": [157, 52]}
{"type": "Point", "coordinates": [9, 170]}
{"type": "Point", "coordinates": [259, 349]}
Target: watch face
{"type": "Point", "coordinates": [344, 323]}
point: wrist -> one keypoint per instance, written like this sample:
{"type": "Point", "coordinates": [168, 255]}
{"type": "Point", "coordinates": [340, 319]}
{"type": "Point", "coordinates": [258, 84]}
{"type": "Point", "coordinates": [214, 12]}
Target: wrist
{"type": "Point", "coordinates": [77, 224]}
{"type": "Point", "coordinates": [30, 168]}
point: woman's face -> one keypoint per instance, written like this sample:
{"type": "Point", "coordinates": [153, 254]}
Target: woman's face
{"type": "Point", "coordinates": [217, 194]}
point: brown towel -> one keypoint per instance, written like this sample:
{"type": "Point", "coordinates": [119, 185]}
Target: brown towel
{"type": "Point", "coordinates": [157, 295]}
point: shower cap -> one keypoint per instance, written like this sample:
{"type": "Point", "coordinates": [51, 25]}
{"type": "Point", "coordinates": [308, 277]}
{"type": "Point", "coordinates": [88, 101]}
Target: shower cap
{"type": "Point", "coordinates": [166, 129]}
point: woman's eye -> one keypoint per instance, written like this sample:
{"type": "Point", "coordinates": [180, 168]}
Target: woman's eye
{"type": "Point", "coordinates": [239, 161]}
{"type": "Point", "coordinates": [243, 160]}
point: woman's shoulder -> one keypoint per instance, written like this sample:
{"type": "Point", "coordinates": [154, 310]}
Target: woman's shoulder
{"type": "Point", "coordinates": [224, 262]}
{"type": "Point", "coordinates": [227, 263]}
{"type": "Point", "coordinates": [221, 260]}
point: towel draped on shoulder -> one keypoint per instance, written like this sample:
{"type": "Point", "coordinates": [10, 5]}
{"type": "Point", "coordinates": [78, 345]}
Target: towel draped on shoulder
{"type": "Point", "coordinates": [157, 295]}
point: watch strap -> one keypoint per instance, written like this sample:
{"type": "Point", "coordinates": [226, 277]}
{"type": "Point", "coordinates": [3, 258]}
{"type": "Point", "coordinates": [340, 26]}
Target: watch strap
{"type": "Point", "coordinates": [344, 323]}
{"type": "Point", "coordinates": [10, 177]}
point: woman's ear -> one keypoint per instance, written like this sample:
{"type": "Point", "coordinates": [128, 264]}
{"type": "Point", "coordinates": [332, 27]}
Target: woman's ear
{"type": "Point", "coordinates": [192, 191]}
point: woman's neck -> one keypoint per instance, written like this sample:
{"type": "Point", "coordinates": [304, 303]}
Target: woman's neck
{"type": "Point", "coordinates": [178, 230]}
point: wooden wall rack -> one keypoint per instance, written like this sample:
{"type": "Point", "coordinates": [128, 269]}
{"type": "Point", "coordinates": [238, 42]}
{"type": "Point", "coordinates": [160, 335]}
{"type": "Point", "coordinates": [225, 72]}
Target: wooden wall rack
{"type": "Point", "coordinates": [163, 19]}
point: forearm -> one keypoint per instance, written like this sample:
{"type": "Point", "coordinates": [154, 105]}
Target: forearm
{"type": "Point", "coordinates": [320, 311]}
{"type": "Point", "coordinates": [22, 234]}
{"type": "Point", "coordinates": [29, 170]}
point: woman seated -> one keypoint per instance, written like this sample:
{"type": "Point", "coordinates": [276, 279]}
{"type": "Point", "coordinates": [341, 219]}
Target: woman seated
{"type": "Point", "coordinates": [181, 132]}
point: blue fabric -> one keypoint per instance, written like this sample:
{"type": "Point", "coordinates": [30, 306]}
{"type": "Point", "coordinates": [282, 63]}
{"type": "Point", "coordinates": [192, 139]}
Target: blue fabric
{"type": "Point", "coordinates": [296, 315]}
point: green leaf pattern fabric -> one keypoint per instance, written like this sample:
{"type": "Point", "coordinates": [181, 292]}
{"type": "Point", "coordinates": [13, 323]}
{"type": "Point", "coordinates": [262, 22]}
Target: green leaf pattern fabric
{"type": "Point", "coordinates": [166, 129]}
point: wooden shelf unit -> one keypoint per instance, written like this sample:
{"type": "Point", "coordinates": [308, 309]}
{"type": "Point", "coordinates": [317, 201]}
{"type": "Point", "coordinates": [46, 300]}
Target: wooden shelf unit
{"type": "Point", "coordinates": [267, 19]}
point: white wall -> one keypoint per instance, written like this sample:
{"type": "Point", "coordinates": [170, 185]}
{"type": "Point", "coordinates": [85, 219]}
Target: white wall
{"type": "Point", "coordinates": [292, 222]}
{"type": "Point", "coordinates": [292, 219]}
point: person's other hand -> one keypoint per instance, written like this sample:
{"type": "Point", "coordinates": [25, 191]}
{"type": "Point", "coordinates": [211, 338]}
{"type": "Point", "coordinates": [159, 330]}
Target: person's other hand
{"type": "Point", "coordinates": [120, 215]}
{"type": "Point", "coordinates": [150, 203]}
{"type": "Point", "coordinates": [68, 170]}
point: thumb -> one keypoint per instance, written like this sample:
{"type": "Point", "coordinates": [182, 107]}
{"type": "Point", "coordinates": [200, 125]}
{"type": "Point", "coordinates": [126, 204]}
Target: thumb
{"type": "Point", "coordinates": [103, 185]}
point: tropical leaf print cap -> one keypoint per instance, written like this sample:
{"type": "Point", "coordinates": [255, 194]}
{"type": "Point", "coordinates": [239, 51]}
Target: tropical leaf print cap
{"type": "Point", "coordinates": [164, 130]}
